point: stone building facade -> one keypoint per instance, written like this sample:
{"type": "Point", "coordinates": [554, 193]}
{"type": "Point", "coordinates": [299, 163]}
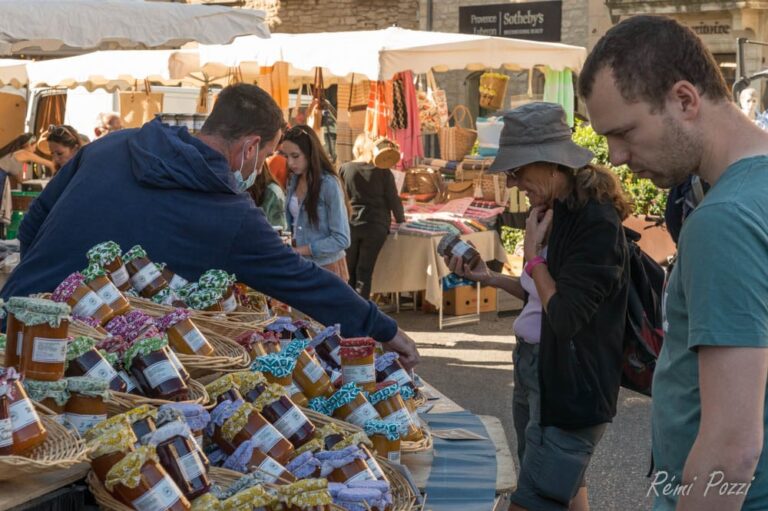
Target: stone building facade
{"type": "Point", "coordinates": [297, 16]}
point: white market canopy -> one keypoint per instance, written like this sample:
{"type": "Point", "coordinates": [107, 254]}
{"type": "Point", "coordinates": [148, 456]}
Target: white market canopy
{"type": "Point", "coordinates": [35, 27]}
{"type": "Point", "coordinates": [379, 54]}
{"type": "Point", "coordinates": [13, 72]}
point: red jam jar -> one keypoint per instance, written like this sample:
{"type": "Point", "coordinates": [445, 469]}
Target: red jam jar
{"type": "Point", "coordinates": [389, 368]}
{"type": "Point", "coordinates": [180, 456]}
{"type": "Point", "coordinates": [246, 424]}
{"type": "Point", "coordinates": [44, 343]}
{"type": "Point", "coordinates": [327, 345]}
{"type": "Point", "coordinates": [83, 359]}
{"type": "Point", "coordinates": [148, 362]}
{"type": "Point", "coordinates": [287, 418]}
{"type": "Point", "coordinates": [357, 362]}
{"type": "Point", "coordinates": [84, 301]}
{"type": "Point", "coordinates": [146, 278]}
{"type": "Point", "coordinates": [28, 430]}
{"type": "Point", "coordinates": [183, 335]}
{"type": "Point", "coordinates": [107, 255]}
{"type": "Point", "coordinates": [175, 281]}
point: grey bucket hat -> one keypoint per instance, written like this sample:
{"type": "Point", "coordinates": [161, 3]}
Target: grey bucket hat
{"type": "Point", "coordinates": [537, 132]}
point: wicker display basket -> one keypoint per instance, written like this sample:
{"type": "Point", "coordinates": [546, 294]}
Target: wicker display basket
{"type": "Point", "coordinates": [425, 444]}
{"type": "Point", "coordinates": [456, 141]}
{"type": "Point", "coordinates": [493, 89]}
{"type": "Point", "coordinates": [120, 402]}
{"type": "Point", "coordinates": [62, 449]}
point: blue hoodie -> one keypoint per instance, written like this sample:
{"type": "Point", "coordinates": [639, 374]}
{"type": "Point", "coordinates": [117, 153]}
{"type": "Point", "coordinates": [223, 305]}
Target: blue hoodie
{"type": "Point", "coordinates": [164, 189]}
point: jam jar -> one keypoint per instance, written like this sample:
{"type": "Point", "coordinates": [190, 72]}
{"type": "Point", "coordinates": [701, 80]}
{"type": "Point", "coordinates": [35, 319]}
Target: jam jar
{"type": "Point", "coordinates": [195, 415]}
{"type": "Point", "coordinates": [305, 495]}
{"type": "Point", "coordinates": [309, 374]}
{"type": "Point", "coordinates": [361, 440]}
{"type": "Point", "coordinates": [258, 344]}
{"type": "Point", "coordinates": [224, 284]}
{"type": "Point", "coordinates": [350, 405]}
{"type": "Point", "coordinates": [223, 388]}
{"type": "Point", "coordinates": [284, 329]}
{"type": "Point", "coordinates": [14, 333]}
{"type": "Point", "coordinates": [28, 430]}
{"type": "Point", "coordinates": [248, 425]}
{"type": "Point", "coordinates": [86, 406]}
{"type": "Point", "coordinates": [51, 394]}
{"type": "Point", "coordinates": [251, 384]}
{"type": "Point", "coordinates": [142, 420]}
{"type": "Point", "coordinates": [327, 345]}
{"type": "Point", "coordinates": [254, 498]}
{"type": "Point", "coordinates": [146, 278]}
{"type": "Point", "coordinates": [6, 427]}
{"type": "Point", "coordinates": [148, 362]}
{"type": "Point", "coordinates": [357, 364]}
{"type": "Point", "coordinates": [83, 300]}
{"type": "Point", "coordinates": [278, 368]}
{"type": "Point", "coordinates": [175, 281]}
{"type": "Point", "coordinates": [181, 458]}
{"type": "Point", "coordinates": [107, 255]}
{"type": "Point", "coordinates": [385, 437]}
{"type": "Point", "coordinates": [44, 344]}
{"type": "Point", "coordinates": [83, 359]}
{"type": "Point", "coordinates": [388, 367]}
{"type": "Point", "coordinates": [140, 480]}
{"type": "Point", "coordinates": [392, 408]}
{"type": "Point", "coordinates": [111, 446]}
{"type": "Point", "coordinates": [453, 246]}
{"type": "Point", "coordinates": [351, 465]}
{"type": "Point", "coordinates": [269, 468]}
{"type": "Point", "coordinates": [183, 335]}
{"type": "Point", "coordinates": [96, 279]}
{"type": "Point", "coordinates": [287, 418]}
{"type": "Point", "coordinates": [204, 299]}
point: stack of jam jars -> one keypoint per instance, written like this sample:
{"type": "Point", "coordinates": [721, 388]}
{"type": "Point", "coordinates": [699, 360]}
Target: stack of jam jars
{"type": "Point", "coordinates": [357, 362]}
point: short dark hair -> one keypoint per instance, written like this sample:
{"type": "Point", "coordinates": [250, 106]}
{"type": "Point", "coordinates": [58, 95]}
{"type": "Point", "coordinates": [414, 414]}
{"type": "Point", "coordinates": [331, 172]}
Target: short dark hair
{"type": "Point", "coordinates": [647, 55]}
{"type": "Point", "coordinates": [241, 110]}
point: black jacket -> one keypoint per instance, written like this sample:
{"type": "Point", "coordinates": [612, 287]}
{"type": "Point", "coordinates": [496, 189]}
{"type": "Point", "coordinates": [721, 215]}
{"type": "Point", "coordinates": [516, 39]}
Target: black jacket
{"type": "Point", "coordinates": [582, 327]}
{"type": "Point", "coordinates": [372, 194]}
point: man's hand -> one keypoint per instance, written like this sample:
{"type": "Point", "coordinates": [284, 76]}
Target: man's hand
{"type": "Point", "coordinates": [405, 347]}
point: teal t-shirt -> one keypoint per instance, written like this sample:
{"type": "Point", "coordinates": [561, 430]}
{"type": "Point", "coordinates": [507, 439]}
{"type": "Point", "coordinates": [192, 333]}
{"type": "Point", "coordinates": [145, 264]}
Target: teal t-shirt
{"type": "Point", "coordinates": [717, 295]}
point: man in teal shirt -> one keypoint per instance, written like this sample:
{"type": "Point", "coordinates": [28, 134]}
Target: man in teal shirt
{"type": "Point", "coordinates": [657, 94]}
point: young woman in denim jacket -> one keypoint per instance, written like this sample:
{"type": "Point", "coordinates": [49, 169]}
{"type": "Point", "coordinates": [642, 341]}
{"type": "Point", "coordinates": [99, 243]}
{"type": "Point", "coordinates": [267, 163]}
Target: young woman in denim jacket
{"type": "Point", "coordinates": [317, 211]}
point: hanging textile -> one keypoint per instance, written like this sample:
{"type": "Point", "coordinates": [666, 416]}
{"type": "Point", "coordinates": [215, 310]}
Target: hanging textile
{"type": "Point", "coordinates": [558, 88]}
{"type": "Point", "coordinates": [274, 80]}
{"type": "Point", "coordinates": [409, 138]}
{"type": "Point", "coordinates": [50, 110]}
{"type": "Point", "coordinates": [379, 112]}
{"type": "Point", "coordinates": [399, 112]}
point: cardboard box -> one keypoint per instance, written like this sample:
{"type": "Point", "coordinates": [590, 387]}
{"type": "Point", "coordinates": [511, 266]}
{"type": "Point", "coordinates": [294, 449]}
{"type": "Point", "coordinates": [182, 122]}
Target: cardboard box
{"type": "Point", "coordinates": [462, 300]}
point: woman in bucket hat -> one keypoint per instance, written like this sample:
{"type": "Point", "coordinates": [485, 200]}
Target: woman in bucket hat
{"type": "Point", "coordinates": [569, 335]}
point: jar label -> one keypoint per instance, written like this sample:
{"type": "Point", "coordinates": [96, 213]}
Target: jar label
{"type": "Point", "coordinates": [230, 304]}
{"type": "Point", "coordinates": [291, 422]}
{"type": "Point", "coordinates": [400, 377]}
{"type": "Point", "coordinates": [177, 282]}
{"type": "Point", "coordinates": [400, 416]}
{"type": "Point", "coordinates": [22, 414]}
{"type": "Point", "coordinates": [160, 372]}
{"type": "Point", "coordinates": [175, 361]}
{"type": "Point", "coordinates": [145, 277]}
{"type": "Point", "coordinates": [60, 418]}
{"type": "Point", "coordinates": [194, 339]}
{"type": "Point", "coordinates": [49, 350]}
{"type": "Point", "coordinates": [109, 293]}
{"type": "Point", "coordinates": [313, 371]}
{"type": "Point", "coordinates": [88, 305]}
{"type": "Point", "coordinates": [19, 340]}
{"type": "Point", "coordinates": [271, 470]}
{"type": "Point", "coordinates": [358, 374]}
{"type": "Point", "coordinates": [6, 432]}
{"type": "Point", "coordinates": [119, 276]}
{"type": "Point", "coordinates": [102, 371]}
{"type": "Point", "coordinates": [129, 381]}
{"type": "Point", "coordinates": [363, 475]}
{"type": "Point", "coordinates": [266, 438]}
{"type": "Point", "coordinates": [292, 389]}
{"type": "Point", "coordinates": [374, 467]}
{"type": "Point", "coordinates": [394, 456]}
{"type": "Point", "coordinates": [82, 423]}
{"type": "Point", "coordinates": [363, 414]}
{"type": "Point", "coordinates": [460, 248]}
{"type": "Point", "coordinates": [191, 467]}
{"type": "Point", "coordinates": [335, 354]}
{"type": "Point", "coordinates": [199, 440]}
{"type": "Point", "coordinates": [163, 495]}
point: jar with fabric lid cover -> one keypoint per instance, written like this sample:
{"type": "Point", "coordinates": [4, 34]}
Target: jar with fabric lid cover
{"type": "Point", "coordinates": [51, 394]}
{"type": "Point", "coordinates": [145, 277]}
{"type": "Point", "coordinates": [84, 301]}
{"type": "Point", "coordinates": [111, 446]}
{"type": "Point", "coordinates": [224, 284]}
{"type": "Point", "coordinates": [357, 362]}
{"type": "Point", "coordinates": [278, 368]}
{"type": "Point", "coordinates": [44, 343]}
{"type": "Point", "coordinates": [305, 495]}
{"type": "Point", "coordinates": [107, 255]}
{"type": "Point", "coordinates": [96, 278]}
{"type": "Point", "coordinates": [83, 359]}
{"type": "Point", "coordinates": [223, 388]}
{"type": "Point", "coordinates": [148, 362]}
{"type": "Point", "coordinates": [392, 408]}
{"type": "Point", "coordinates": [183, 335]}
{"type": "Point", "coordinates": [250, 383]}
{"type": "Point", "coordinates": [350, 404]}
{"type": "Point", "coordinates": [386, 439]}
{"type": "Point", "coordinates": [283, 413]}
{"type": "Point", "coordinates": [86, 406]}
{"type": "Point", "coordinates": [308, 373]}
{"type": "Point", "coordinates": [28, 431]}
{"type": "Point", "coordinates": [245, 423]}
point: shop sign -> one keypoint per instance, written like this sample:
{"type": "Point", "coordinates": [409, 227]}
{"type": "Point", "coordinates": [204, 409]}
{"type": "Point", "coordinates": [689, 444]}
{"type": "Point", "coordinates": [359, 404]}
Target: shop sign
{"type": "Point", "coordinates": [535, 21]}
{"type": "Point", "coordinates": [710, 28]}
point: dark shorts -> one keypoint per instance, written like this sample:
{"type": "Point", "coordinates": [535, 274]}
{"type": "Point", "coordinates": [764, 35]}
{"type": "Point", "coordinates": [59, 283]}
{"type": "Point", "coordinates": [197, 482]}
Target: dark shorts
{"type": "Point", "coordinates": [553, 460]}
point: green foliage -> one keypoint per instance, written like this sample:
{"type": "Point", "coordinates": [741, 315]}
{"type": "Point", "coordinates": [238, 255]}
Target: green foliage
{"type": "Point", "coordinates": [511, 237]}
{"type": "Point", "coordinates": [646, 198]}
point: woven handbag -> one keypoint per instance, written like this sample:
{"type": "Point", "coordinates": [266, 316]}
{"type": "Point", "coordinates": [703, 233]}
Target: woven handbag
{"type": "Point", "coordinates": [456, 141]}
{"type": "Point", "coordinates": [459, 190]}
{"type": "Point", "coordinates": [492, 187]}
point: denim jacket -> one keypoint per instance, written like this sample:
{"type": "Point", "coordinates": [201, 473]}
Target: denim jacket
{"type": "Point", "coordinates": [329, 239]}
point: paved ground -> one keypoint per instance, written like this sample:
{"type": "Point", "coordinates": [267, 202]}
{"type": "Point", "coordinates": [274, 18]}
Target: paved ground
{"type": "Point", "coordinates": [472, 365]}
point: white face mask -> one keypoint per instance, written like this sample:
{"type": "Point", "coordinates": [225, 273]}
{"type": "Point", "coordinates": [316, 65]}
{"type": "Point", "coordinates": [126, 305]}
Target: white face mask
{"type": "Point", "coordinates": [243, 184]}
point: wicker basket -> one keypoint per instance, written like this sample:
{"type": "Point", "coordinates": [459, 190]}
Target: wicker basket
{"type": "Point", "coordinates": [425, 444]}
{"type": "Point", "coordinates": [320, 420]}
{"type": "Point", "coordinates": [62, 449]}
{"type": "Point", "coordinates": [456, 141]}
{"type": "Point", "coordinates": [403, 498]}
{"type": "Point", "coordinates": [120, 402]}
{"type": "Point", "coordinates": [493, 89]}
{"type": "Point", "coordinates": [228, 357]}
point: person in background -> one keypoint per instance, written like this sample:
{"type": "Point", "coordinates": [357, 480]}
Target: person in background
{"type": "Point", "coordinates": [279, 169]}
{"type": "Point", "coordinates": [18, 152]}
{"type": "Point", "coordinates": [373, 196]}
{"type": "Point", "coordinates": [106, 123]}
{"type": "Point", "coordinates": [318, 215]}
{"type": "Point", "coordinates": [269, 196]}
{"type": "Point", "coordinates": [63, 143]}
{"type": "Point", "coordinates": [568, 355]}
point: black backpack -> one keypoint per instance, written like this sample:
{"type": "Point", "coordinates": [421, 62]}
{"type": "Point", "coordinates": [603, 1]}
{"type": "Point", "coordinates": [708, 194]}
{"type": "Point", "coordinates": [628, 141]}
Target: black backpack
{"type": "Point", "coordinates": [644, 334]}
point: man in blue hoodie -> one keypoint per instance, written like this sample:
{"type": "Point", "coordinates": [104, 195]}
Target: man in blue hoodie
{"type": "Point", "coordinates": [182, 198]}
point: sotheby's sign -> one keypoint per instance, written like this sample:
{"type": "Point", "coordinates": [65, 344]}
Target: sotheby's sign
{"type": "Point", "coordinates": [535, 21]}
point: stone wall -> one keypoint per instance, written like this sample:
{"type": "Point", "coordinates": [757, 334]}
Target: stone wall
{"type": "Point", "coordinates": [297, 16]}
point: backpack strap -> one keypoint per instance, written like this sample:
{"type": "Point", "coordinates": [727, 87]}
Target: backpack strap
{"type": "Point", "coordinates": [697, 190]}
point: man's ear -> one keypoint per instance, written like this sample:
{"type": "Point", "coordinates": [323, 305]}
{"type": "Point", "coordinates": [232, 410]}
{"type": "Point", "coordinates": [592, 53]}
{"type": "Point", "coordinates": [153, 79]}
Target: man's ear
{"type": "Point", "coordinates": [684, 100]}
{"type": "Point", "coordinates": [253, 145]}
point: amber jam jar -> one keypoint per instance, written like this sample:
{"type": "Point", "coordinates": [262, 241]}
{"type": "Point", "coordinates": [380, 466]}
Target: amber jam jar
{"type": "Point", "coordinates": [14, 333]}
{"type": "Point", "coordinates": [389, 368]}
{"type": "Point", "coordinates": [44, 343]}
{"type": "Point", "coordinates": [84, 301]}
{"type": "Point", "coordinates": [259, 344]}
{"type": "Point", "coordinates": [51, 394]}
{"type": "Point", "coordinates": [109, 447]}
{"type": "Point", "coordinates": [83, 359]}
{"type": "Point", "coordinates": [327, 345]}
{"type": "Point", "coordinates": [392, 408]}
{"type": "Point", "coordinates": [349, 404]}
{"type": "Point", "coordinates": [96, 279]}
{"type": "Point", "coordinates": [357, 365]}
{"type": "Point", "coordinates": [311, 376]}
{"type": "Point", "coordinates": [86, 407]}
{"type": "Point", "coordinates": [146, 278]}
{"type": "Point", "coordinates": [140, 480]}
{"type": "Point", "coordinates": [224, 284]}
{"type": "Point", "coordinates": [287, 418]}
{"type": "Point", "coordinates": [107, 255]}
{"type": "Point", "coordinates": [148, 362]}
{"type": "Point", "coordinates": [385, 437]}
{"type": "Point", "coordinates": [351, 466]}
{"type": "Point", "coordinates": [6, 428]}
{"type": "Point", "coordinates": [175, 281]}
{"type": "Point", "coordinates": [269, 468]}
{"type": "Point", "coordinates": [224, 388]}
{"type": "Point", "coordinates": [453, 246]}
{"type": "Point", "coordinates": [278, 369]}
{"type": "Point", "coordinates": [28, 430]}
{"type": "Point", "coordinates": [183, 335]}
{"type": "Point", "coordinates": [246, 424]}
{"type": "Point", "coordinates": [251, 384]}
